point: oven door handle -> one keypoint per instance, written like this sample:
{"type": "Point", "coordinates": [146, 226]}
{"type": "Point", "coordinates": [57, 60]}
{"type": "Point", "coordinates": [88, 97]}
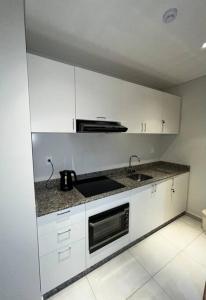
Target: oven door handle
{"type": "Point", "coordinates": [93, 224]}
{"type": "Point", "coordinates": [109, 239]}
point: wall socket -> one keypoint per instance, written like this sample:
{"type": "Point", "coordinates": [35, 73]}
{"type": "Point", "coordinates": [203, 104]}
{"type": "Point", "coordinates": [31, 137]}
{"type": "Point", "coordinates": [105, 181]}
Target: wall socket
{"type": "Point", "coordinates": [47, 159]}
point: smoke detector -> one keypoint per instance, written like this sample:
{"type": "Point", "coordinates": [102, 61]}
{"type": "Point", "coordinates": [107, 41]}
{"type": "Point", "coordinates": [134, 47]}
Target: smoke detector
{"type": "Point", "coordinates": [170, 15]}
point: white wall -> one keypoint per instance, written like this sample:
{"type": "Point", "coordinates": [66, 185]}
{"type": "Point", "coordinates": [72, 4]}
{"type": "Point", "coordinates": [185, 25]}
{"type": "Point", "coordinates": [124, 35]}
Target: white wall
{"type": "Point", "coordinates": [89, 152]}
{"type": "Point", "coordinates": [19, 271]}
{"type": "Point", "coordinates": [190, 146]}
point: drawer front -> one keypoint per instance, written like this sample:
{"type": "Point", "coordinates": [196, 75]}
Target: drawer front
{"type": "Point", "coordinates": [61, 265]}
{"type": "Point", "coordinates": [60, 238]}
{"type": "Point", "coordinates": [55, 221]}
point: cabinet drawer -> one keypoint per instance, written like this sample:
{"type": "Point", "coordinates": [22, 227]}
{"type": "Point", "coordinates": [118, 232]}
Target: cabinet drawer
{"type": "Point", "coordinates": [54, 240]}
{"type": "Point", "coordinates": [60, 265]}
{"type": "Point", "coordinates": [55, 221]}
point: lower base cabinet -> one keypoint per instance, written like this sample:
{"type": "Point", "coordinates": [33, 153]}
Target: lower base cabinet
{"type": "Point", "coordinates": [61, 265]}
{"type": "Point", "coordinates": [153, 205]}
{"type": "Point", "coordinates": [63, 236]}
{"type": "Point", "coordinates": [179, 193]}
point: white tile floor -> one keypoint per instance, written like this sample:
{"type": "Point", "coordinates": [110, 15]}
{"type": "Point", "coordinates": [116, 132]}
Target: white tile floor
{"type": "Point", "coordinates": [170, 264]}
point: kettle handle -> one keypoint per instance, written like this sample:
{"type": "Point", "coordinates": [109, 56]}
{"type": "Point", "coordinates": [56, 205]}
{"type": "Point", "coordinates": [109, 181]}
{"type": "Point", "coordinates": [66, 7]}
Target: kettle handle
{"type": "Point", "coordinates": [75, 176]}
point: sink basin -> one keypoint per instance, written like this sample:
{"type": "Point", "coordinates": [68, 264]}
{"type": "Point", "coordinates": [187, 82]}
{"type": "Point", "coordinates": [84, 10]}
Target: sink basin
{"type": "Point", "coordinates": [139, 177]}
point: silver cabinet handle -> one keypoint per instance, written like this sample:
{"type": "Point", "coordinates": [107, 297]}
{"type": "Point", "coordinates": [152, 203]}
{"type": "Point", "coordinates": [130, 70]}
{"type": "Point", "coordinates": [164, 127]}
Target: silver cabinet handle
{"type": "Point", "coordinates": [145, 127]}
{"type": "Point", "coordinates": [104, 118]}
{"type": "Point", "coordinates": [64, 250]}
{"type": "Point", "coordinates": [142, 127]}
{"type": "Point", "coordinates": [73, 123]}
{"type": "Point", "coordinates": [62, 232]}
{"type": "Point", "coordinates": [63, 213]}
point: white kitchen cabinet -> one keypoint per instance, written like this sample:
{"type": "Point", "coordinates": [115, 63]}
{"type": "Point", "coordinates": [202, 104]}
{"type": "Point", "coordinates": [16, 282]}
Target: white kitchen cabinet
{"type": "Point", "coordinates": [61, 237]}
{"type": "Point", "coordinates": [141, 212]}
{"type": "Point", "coordinates": [149, 208]}
{"type": "Point", "coordinates": [149, 110]}
{"type": "Point", "coordinates": [60, 219]}
{"type": "Point", "coordinates": [52, 95]}
{"type": "Point", "coordinates": [157, 112]}
{"type": "Point", "coordinates": [100, 97]}
{"type": "Point", "coordinates": [171, 106]}
{"type": "Point", "coordinates": [162, 199]}
{"type": "Point", "coordinates": [61, 265]}
{"type": "Point", "coordinates": [179, 194]}
{"type": "Point", "coordinates": [141, 109]}
{"type": "Point", "coordinates": [153, 205]}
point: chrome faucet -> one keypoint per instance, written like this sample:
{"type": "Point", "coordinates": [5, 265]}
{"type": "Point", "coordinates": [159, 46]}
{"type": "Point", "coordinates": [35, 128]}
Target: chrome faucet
{"type": "Point", "coordinates": [131, 169]}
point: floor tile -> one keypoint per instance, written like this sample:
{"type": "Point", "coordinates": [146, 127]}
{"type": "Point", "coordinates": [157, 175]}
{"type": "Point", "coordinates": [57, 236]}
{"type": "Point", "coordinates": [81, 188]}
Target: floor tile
{"type": "Point", "coordinates": [118, 278]}
{"type": "Point", "coordinates": [150, 291]}
{"type": "Point", "coordinates": [191, 221]}
{"type": "Point", "coordinates": [182, 278]}
{"type": "Point", "coordinates": [78, 290]}
{"type": "Point", "coordinates": [197, 249]}
{"type": "Point", "coordinates": [154, 252]}
{"type": "Point", "coordinates": [180, 234]}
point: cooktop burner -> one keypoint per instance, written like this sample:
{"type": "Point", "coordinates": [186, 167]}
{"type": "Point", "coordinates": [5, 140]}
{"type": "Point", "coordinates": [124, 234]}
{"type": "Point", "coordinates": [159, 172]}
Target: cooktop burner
{"type": "Point", "coordinates": [97, 185]}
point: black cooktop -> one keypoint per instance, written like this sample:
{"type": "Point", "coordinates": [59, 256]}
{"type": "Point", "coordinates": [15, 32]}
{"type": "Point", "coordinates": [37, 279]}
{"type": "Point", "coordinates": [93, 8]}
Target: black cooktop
{"type": "Point", "coordinates": [97, 185]}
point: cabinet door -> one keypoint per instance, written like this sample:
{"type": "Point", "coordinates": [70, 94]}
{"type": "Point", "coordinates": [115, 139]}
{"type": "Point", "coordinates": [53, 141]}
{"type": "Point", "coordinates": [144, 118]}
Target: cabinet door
{"type": "Point", "coordinates": [179, 193]}
{"type": "Point", "coordinates": [141, 212]}
{"type": "Point", "coordinates": [99, 97]}
{"type": "Point", "coordinates": [152, 111]}
{"type": "Point", "coordinates": [61, 265]}
{"type": "Point", "coordinates": [170, 114]}
{"type": "Point", "coordinates": [162, 197]}
{"type": "Point", "coordinates": [52, 95]}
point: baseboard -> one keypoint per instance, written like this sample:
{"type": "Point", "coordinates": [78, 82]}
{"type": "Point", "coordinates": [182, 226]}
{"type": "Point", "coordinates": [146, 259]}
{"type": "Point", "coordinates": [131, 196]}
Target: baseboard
{"type": "Point", "coordinates": [194, 216]}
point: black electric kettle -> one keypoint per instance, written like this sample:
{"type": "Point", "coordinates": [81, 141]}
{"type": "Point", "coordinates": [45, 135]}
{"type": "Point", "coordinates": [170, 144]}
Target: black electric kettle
{"type": "Point", "coordinates": [66, 181]}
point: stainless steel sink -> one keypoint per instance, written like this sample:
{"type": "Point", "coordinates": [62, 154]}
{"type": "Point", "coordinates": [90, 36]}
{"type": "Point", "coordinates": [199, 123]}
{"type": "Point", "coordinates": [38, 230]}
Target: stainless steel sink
{"type": "Point", "coordinates": [139, 177]}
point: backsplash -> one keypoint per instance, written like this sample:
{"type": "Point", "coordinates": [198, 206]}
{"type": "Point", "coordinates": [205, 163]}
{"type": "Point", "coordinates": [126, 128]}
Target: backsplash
{"type": "Point", "coordinates": [90, 152]}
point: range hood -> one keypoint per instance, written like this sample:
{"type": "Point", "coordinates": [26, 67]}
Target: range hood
{"type": "Point", "coordinates": [99, 126]}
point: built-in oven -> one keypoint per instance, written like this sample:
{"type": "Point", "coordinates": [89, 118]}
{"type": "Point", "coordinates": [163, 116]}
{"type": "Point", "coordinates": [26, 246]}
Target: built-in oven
{"type": "Point", "coordinates": [107, 226]}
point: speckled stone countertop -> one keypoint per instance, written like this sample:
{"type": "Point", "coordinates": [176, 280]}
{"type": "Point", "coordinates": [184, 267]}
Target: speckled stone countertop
{"type": "Point", "coordinates": [52, 200]}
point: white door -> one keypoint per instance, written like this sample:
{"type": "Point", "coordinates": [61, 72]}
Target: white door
{"type": "Point", "coordinates": [147, 110]}
{"type": "Point", "coordinates": [62, 264]}
{"type": "Point", "coordinates": [180, 193]}
{"type": "Point", "coordinates": [162, 197]}
{"type": "Point", "coordinates": [170, 114]}
{"type": "Point", "coordinates": [152, 111]}
{"type": "Point", "coordinates": [99, 97]}
{"type": "Point", "coordinates": [141, 212]}
{"type": "Point", "coordinates": [52, 95]}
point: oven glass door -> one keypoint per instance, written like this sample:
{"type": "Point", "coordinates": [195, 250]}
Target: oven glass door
{"type": "Point", "coordinates": [108, 226]}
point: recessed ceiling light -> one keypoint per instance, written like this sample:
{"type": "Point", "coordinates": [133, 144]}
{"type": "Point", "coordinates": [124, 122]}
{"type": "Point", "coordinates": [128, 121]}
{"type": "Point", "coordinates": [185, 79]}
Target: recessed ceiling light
{"type": "Point", "coordinates": [170, 15]}
{"type": "Point", "coordinates": [203, 46]}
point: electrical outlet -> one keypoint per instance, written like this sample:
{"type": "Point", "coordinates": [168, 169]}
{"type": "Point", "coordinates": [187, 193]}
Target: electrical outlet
{"type": "Point", "coordinates": [47, 159]}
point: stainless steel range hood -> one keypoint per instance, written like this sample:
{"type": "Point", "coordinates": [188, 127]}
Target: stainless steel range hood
{"type": "Point", "coordinates": [99, 126]}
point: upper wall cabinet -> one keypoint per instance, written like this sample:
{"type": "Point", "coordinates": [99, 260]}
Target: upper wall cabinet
{"type": "Point", "coordinates": [52, 87]}
{"type": "Point", "coordinates": [157, 112]}
{"type": "Point", "coordinates": [52, 95]}
{"type": "Point", "coordinates": [141, 109]}
{"type": "Point", "coordinates": [100, 97]}
{"type": "Point", "coordinates": [171, 107]}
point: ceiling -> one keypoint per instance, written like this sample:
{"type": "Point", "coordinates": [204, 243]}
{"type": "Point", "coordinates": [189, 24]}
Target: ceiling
{"type": "Point", "coordinates": [122, 38]}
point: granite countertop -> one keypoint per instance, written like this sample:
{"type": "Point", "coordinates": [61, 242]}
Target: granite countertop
{"type": "Point", "coordinates": [53, 199]}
